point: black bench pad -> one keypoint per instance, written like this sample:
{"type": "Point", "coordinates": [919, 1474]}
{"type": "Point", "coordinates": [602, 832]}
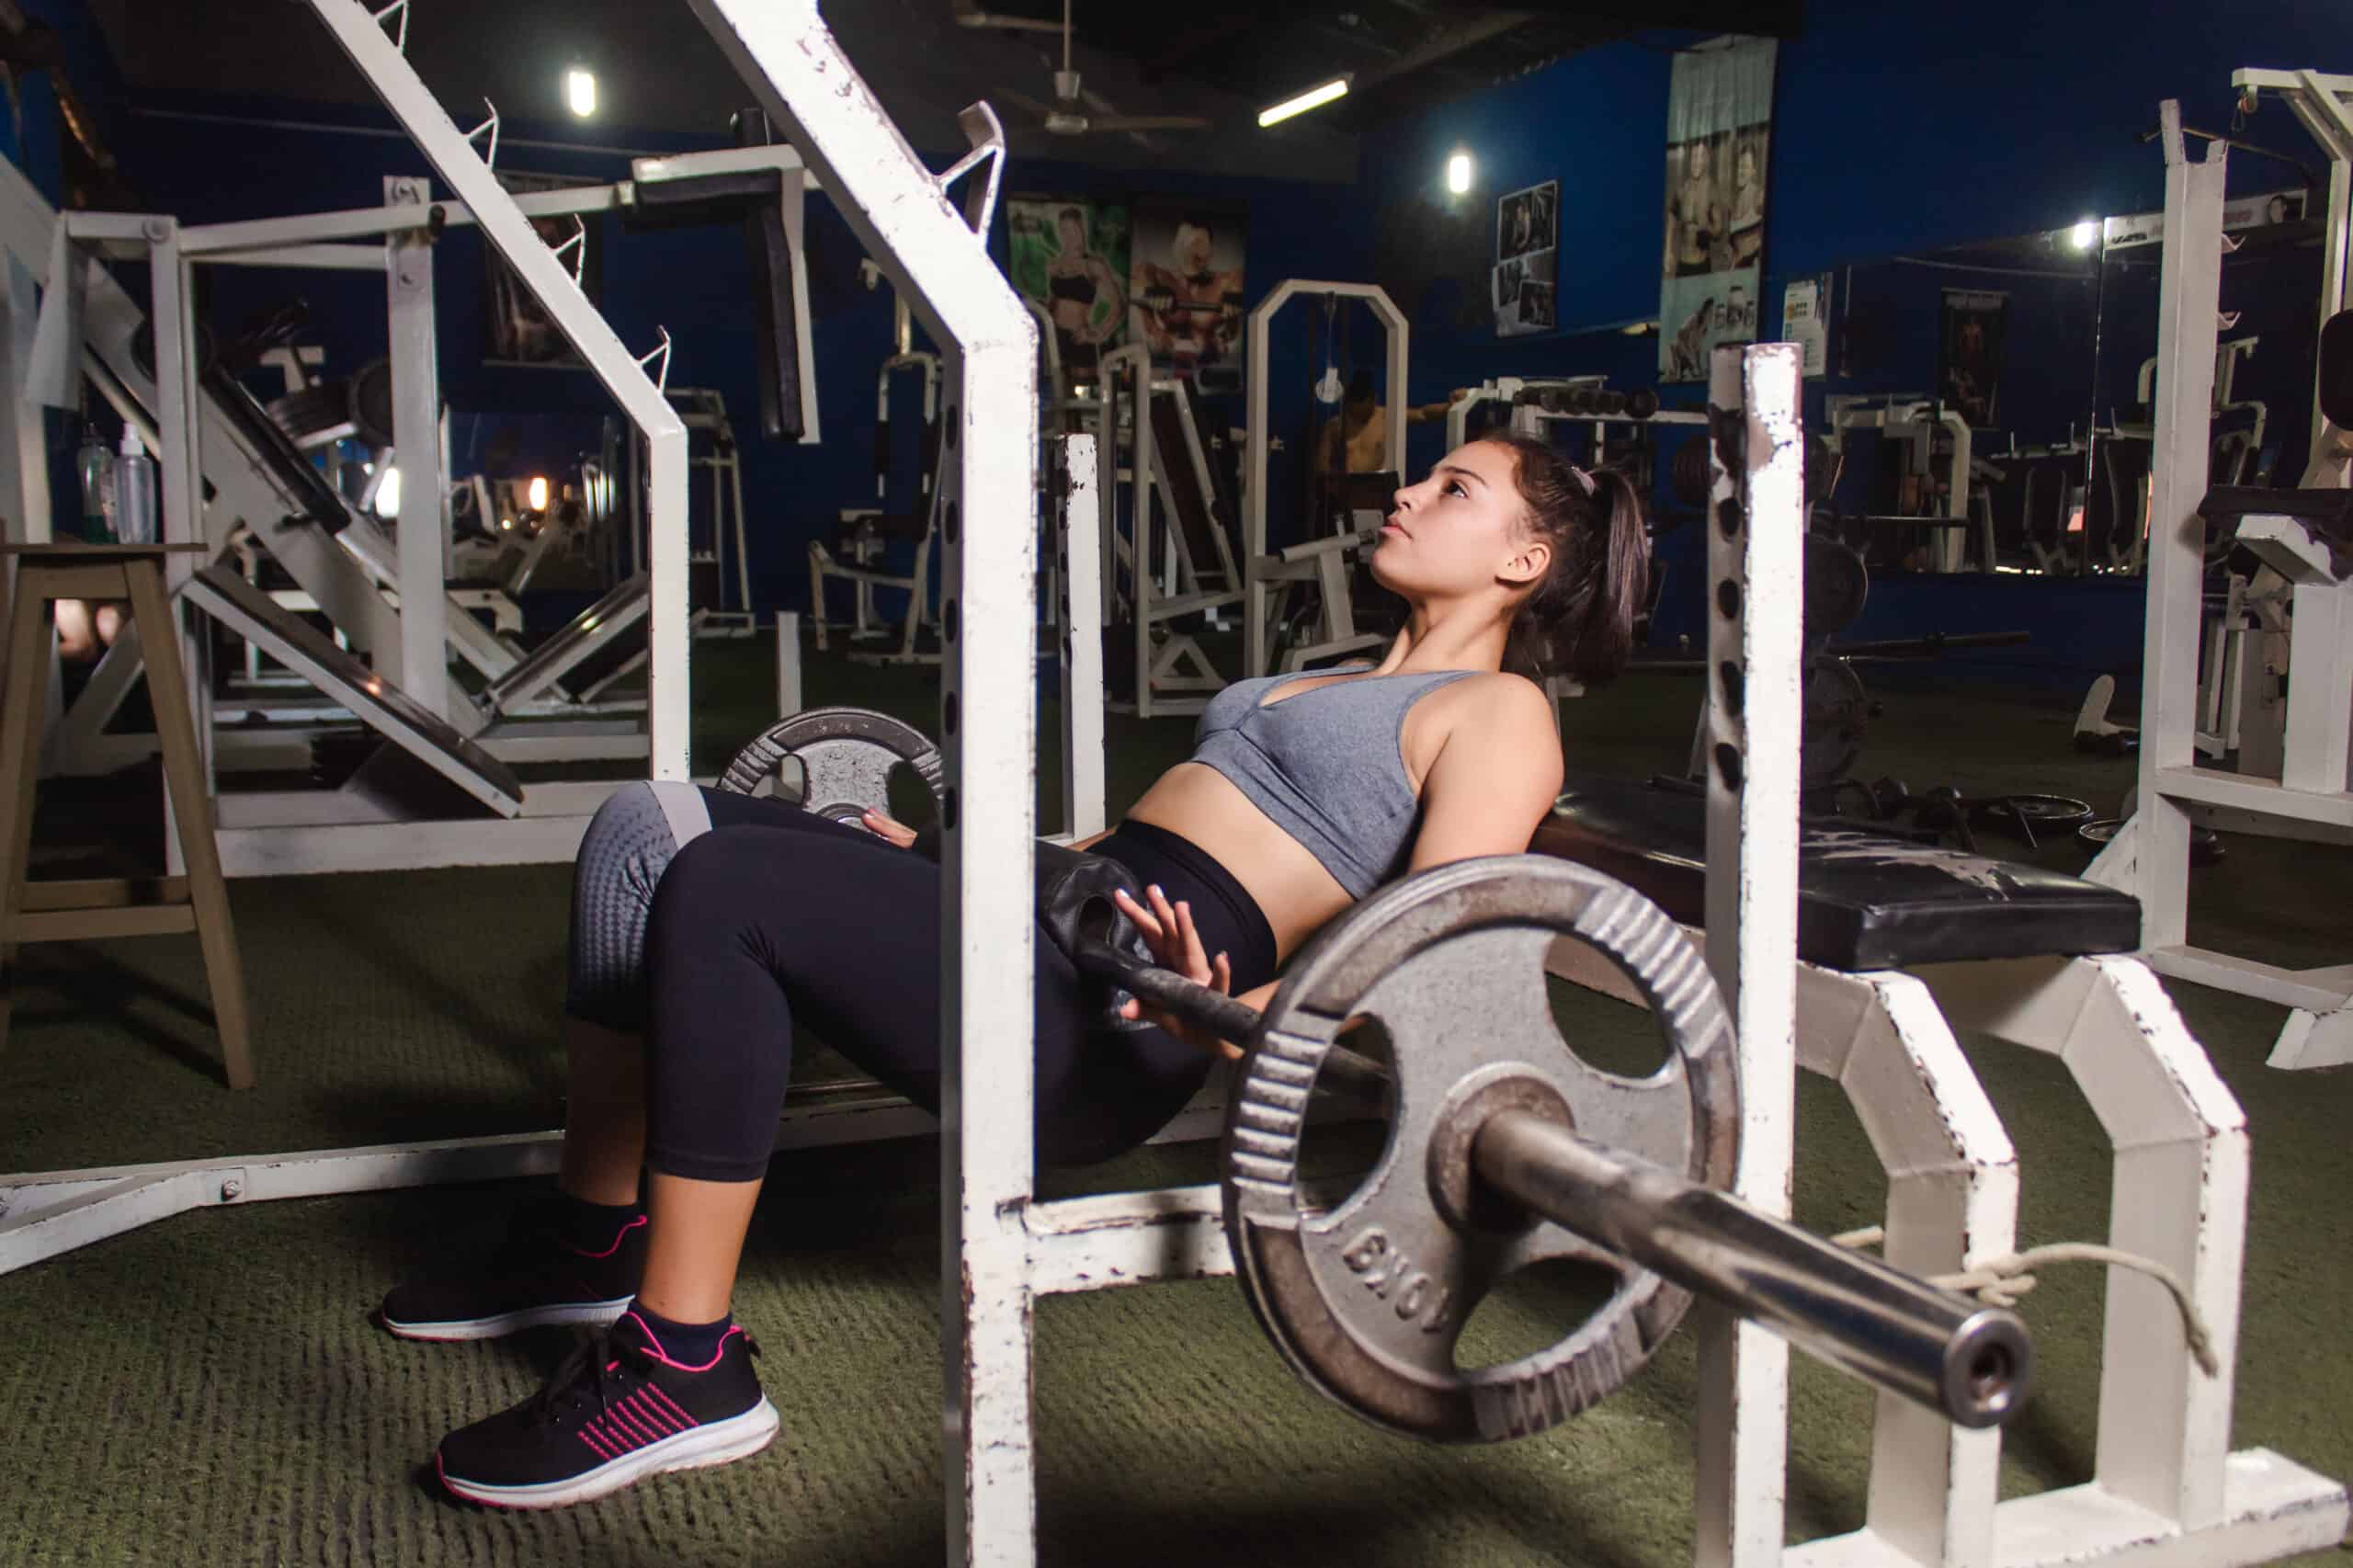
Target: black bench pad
{"type": "Point", "coordinates": [1866, 901]}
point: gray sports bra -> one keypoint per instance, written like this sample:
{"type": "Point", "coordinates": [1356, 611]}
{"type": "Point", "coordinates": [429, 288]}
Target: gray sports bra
{"type": "Point", "coordinates": [1325, 765]}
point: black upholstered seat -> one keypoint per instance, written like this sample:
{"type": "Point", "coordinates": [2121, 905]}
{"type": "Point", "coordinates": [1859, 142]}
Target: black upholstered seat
{"type": "Point", "coordinates": [1866, 901]}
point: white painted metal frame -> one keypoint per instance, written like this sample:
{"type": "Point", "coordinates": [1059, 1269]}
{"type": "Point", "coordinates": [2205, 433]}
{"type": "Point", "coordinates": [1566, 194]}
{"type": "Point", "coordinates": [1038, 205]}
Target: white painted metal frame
{"type": "Point", "coordinates": [2150, 857]}
{"type": "Point", "coordinates": [505, 225]}
{"type": "Point", "coordinates": [1264, 572]}
{"type": "Point", "coordinates": [1078, 616]}
{"type": "Point", "coordinates": [1756, 553]}
{"type": "Point", "coordinates": [1898, 417]}
{"type": "Point", "coordinates": [1174, 673]}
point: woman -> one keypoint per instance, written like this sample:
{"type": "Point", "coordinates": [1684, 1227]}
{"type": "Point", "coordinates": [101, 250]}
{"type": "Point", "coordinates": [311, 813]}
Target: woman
{"type": "Point", "coordinates": [1695, 218]}
{"type": "Point", "coordinates": [1087, 299]}
{"type": "Point", "coordinates": [705, 925]}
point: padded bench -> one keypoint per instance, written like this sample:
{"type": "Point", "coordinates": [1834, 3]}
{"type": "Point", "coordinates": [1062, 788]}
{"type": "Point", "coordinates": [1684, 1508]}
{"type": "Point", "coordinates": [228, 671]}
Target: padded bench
{"type": "Point", "coordinates": [1866, 901]}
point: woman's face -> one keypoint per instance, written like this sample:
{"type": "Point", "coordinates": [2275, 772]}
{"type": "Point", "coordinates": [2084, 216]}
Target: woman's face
{"type": "Point", "coordinates": [1746, 168]}
{"type": "Point", "coordinates": [1073, 237]}
{"type": "Point", "coordinates": [1459, 529]}
{"type": "Point", "coordinates": [1697, 168]}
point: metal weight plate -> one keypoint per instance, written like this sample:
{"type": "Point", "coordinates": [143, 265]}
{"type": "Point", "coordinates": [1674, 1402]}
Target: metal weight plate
{"type": "Point", "coordinates": [1367, 1300]}
{"type": "Point", "coordinates": [1837, 717]}
{"type": "Point", "coordinates": [848, 755]}
{"type": "Point", "coordinates": [1837, 585]}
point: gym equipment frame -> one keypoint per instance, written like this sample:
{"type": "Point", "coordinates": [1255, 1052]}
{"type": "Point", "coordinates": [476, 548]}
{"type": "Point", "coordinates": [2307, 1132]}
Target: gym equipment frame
{"type": "Point", "coordinates": [2168, 1492]}
{"type": "Point", "coordinates": [2150, 854]}
{"type": "Point", "coordinates": [1325, 562]}
{"type": "Point", "coordinates": [1158, 575]}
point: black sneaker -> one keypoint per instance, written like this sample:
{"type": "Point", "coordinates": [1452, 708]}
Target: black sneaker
{"type": "Point", "coordinates": [535, 1278]}
{"type": "Point", "coordinates": [616, 1411]}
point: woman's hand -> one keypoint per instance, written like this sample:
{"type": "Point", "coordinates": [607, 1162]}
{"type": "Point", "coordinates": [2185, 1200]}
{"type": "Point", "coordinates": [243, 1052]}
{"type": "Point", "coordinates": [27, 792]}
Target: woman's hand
{"type": "Point", "coordinates": [884, 827]}
{"type": "Point", "coordinates": [1175, 945]}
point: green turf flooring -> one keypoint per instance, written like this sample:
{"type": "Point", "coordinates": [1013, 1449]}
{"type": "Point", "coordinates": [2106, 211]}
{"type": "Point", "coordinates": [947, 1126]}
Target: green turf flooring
{"type": "Point", "coordinates": [208, 1390]}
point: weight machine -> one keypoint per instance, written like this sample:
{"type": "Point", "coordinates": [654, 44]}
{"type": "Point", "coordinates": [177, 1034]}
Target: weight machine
{"type": "Point", "coordinates": [2300, 535]}
{"type": "Point", "coordinates": [1325, 566]}
{"type": "Point", "coordinates": [1176, 561]}
{"type": "Point", "coordinates": [384, 590]}
{"type": "Point", "coordinates": [868, 533]}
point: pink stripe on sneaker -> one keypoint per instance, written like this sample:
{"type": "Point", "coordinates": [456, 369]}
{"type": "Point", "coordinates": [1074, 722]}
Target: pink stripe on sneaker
{"type": "Point", "coordinates": [597, 1446]}
{"type": "Point", "coordinates": [652, 1415]}
{"type": "Point", "coordinates": [671, 1408]}
{"type": "Point", "coordinates": [655, 1350]}
{"type": "Point", "coordinates": [620, 1237]}
{"type": "Point", "coordinates": [629, 1421]}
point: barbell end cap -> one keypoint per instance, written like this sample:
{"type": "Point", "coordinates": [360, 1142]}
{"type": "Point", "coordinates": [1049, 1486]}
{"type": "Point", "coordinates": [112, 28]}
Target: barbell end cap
{"type": "Point", "coordinates": [1989, 1370]}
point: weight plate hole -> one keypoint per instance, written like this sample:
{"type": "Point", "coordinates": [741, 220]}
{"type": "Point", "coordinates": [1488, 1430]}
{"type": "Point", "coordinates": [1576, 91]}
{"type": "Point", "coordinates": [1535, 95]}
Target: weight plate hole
{"type": "Point", "coordinates": [1522, 1316]}
{"type": "Point", "coordinates": [1728, 766]}
{"type": "Point", "coordinates": [1618, 1037]}
{"type": "Point", "coordinates": [1728, 598]}
{"type": "Point", "coordinates": [1340, 1148]}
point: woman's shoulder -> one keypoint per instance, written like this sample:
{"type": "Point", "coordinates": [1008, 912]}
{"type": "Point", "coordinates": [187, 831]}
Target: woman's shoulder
{"type": "Point", "coordinates": [1495, 702]}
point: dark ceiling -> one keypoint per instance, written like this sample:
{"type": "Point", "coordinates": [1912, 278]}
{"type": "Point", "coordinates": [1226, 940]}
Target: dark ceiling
{"type": "Point", "coordinates": [1219, 60]}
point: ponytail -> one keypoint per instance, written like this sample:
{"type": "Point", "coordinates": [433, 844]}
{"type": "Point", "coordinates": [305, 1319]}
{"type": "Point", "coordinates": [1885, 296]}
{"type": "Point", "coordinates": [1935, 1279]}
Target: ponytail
{"type": "Point", "coordinates": [1579, 619]}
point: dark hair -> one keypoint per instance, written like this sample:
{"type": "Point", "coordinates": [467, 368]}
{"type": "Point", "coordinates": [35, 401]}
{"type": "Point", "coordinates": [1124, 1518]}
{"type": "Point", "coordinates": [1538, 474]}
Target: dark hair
{"type": "Point", "coordinates": [1361, 389]}
{"type": "Point", "coordinates": [1579, 619]}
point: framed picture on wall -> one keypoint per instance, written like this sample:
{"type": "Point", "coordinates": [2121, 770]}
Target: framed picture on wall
{"type": "Point", "coordinates": [518, 330]}
{"type": "Point", "coordinates": [1528, 240]}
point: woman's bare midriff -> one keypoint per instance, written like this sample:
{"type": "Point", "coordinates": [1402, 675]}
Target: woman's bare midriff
{"type": "Point", "coordinates": [1290, 886]}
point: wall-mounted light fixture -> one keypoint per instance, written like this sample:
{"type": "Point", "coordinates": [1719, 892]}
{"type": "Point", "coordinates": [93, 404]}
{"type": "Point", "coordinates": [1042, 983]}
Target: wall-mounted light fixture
{"type": "Point", "coordinates": [1459, 170]}
{"type": "Point", "coordinates": [580, 91]}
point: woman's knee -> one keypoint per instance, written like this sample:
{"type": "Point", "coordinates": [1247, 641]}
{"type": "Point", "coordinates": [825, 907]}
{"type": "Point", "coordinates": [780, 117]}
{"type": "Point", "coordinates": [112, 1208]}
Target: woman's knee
{"type": "Point", "coordinates": [623, 856]}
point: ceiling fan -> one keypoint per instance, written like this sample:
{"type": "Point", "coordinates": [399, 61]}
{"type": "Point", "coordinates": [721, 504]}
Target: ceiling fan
{"type": "Point", "coordinates": [1078, 112]}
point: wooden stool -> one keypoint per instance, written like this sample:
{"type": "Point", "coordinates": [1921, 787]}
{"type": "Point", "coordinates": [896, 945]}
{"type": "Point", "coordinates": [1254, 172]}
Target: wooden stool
{"type": "Point", "coordinates": [112, 906]}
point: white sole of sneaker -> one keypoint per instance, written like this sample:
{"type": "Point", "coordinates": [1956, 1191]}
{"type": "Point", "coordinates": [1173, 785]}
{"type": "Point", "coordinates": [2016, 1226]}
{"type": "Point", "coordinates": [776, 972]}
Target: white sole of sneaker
{"type": "Point", "coordinates": [598, 1313]}
{"type": "Point", "coordinates": [715, 1442]}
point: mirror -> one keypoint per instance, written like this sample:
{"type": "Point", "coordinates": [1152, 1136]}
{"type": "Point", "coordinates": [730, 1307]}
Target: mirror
{"type": "Point", "coordinates": [2029, 363]}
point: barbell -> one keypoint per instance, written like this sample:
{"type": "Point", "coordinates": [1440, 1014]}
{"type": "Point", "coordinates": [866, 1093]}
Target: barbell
{"type": "Point", "coordinates": [1506, 1149]}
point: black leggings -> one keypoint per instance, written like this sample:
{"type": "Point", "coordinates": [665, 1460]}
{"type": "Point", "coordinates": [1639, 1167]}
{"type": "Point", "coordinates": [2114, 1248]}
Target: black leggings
{"type": "Point", "coordinates": [775, 915]}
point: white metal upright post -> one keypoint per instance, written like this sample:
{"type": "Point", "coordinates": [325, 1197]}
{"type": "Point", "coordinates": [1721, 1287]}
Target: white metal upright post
{"type": "Point", "coordinates": [456, 159]}
{"type": "Point", "coordinates": [2188, 295]}
{"type": "Point", "coordinates": [988, 726]}
{"type": "Point", "coordinates": [1079, 613]}
{"type": "Point", "coordinates": [416, 450]}
{"type": "Point", "coordinates": [1756, 536]}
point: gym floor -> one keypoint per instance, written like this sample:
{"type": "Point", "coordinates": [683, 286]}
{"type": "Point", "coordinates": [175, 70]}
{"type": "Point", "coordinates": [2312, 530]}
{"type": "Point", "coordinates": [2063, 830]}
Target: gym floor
{"type": "Point", "coordinates": [209, 1389]}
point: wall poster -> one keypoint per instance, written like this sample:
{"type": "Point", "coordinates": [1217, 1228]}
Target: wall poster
{"type": "Point", "coordinates": [1719, 138]}
{"type": "Point", "coordinates": [1070, 256]}
{"type": "Point", "coordinates": [1969, 353]}
{"type": "Point", "coordinates": [1527, 248]}
{"type": "Point", "coordinates": [1185, 290]}
{"type": "Point", "coordinates": [517, 328]}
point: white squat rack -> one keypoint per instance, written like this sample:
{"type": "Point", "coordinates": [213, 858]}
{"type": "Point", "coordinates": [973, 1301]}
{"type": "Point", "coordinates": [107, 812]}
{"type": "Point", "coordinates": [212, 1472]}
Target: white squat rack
{"type": "Point", "coordinates": [2313, 795]}
{"type": "Point", "coordinates": [2167, 1490]}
